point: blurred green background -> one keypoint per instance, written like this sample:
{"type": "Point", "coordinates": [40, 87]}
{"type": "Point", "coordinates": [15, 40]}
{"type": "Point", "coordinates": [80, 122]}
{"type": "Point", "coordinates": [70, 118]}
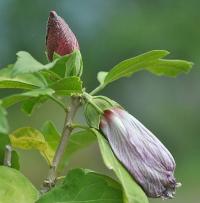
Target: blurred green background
{"type": "Point", "coordinates": [108, 32]}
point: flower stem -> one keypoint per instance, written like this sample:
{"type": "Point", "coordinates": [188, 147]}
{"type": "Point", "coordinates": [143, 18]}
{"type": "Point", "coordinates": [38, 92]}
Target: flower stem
{"type": "Point", "coordinates": [77, 125]}
{"type": "Point", "coordinates": [97, 89]}
{"type": "Point", "coordinates": [72, 109]}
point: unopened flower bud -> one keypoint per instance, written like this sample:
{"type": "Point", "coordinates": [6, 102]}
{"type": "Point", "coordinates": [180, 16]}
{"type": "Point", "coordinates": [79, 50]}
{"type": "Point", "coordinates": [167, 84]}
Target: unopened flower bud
{"type": "Point", "coordinates": [59, 38]}
{"type": "Point", "coordinates": [141, 153]}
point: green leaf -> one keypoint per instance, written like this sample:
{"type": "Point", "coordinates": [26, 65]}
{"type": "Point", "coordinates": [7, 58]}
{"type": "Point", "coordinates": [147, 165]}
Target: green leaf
{"type": "Point", "coordinates": [68, 86]}
{"type": "Point", "coordinates": [4, 140]}
{"type": "Point", "coordinates": [13, 99]}
{"type": "Point", "coordinates": [84, 186]}
{"type": "Point", "coordinates": [23, 81]}
{"type": "Point", "coordinates": [51, 135]}
{"type": "Point", "coordinates": [132, 191]}
{"type": "Point", "coordinates": [101, 76]}
{"type": "Point", "coordinates": [29, 138]}
{"type": "Point", "coordinates": [169, 67]}
{"type": "Point", "coordinates": [150, 61]}
{"type": "Point", "coordinates": [16, 188]}
{"type": "Point", "coordinates": [50, 76]}
{"type": "Point", "coordinates": [77, 141]}
{"type": "Point", "coordinates": [3, 120]}
{"type": "Point", "coordinates": [27, 64]}
{"type": "Point", "coordinates": [30, 104]}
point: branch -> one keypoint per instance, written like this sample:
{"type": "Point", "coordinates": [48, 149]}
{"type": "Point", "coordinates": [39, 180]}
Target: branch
{"type": "Point", "coordinates": [51, 178]}
{"type": "Point", "coordinates": [7, 156]}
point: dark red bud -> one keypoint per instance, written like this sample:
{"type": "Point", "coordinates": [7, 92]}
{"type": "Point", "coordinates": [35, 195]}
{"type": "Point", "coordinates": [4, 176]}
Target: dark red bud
{"type": "Point", "coordinates": [59, 38]}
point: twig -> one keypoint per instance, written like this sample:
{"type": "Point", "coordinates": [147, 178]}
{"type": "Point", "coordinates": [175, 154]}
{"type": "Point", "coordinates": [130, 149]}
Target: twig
{"type": "Point", "coordinates": [8, 156]}
{"type": "Point", "coordinates": [51, 178]}
{"type": "Point", "coordinates": [97, 89]}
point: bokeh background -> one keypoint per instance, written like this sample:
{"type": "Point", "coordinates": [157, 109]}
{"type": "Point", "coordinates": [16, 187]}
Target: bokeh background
{"type": "Point", "coordinates": [108, 32]}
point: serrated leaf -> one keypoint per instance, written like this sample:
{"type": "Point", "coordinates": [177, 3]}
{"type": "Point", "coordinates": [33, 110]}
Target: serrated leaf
{"type": "Point", "coordinates": [150, 61]}
{"type": "Point", "coordinates": [4, 140]}
{"type": "Point", "coordinates": [15, 187]}
{"type": "Point", "coordinates": [132, 191]}
{"type": "Point", "coordinates": [3, 120]}
{"type": "Point", "coordinates": [101, 76]}
{"type": "Point", "coordinates": [23, 81]}
{"type": "Point", "coordinates": [68, 86]}
{"type": "Point", "coordinates": [29, 138]}
{"type": "Point", "coordinates": [13, 99]}
{"type": "Point", "coordinates": [81, 185]}
{"type": "Point", "coordinates": [77, 141]}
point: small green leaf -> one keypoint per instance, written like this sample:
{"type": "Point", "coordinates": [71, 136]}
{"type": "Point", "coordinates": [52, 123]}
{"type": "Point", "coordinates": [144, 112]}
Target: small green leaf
{"type": "Point", "coordinates": [77, 141]}
{"type": "Point", "coordinates": [27, 64]}
{"type": "Point", "coordinates": [23, 81]}
{"type": "Point", "coordinates": [132, 191]}
{"type": "Point", "coordinates": [29, 138]}
{"type": "Point", "coordinates": [51, 135]}
{"type": "Point", "coordinates": [4, 140]}
{"type": "Point", "coordinates": [13, 99]}
{"type": "Point", "coordinates": [30, 104]}
{"type": "Point", "coordinates": [84, 186]}
{"type": "Point", "coordinates": [101, 76]}
{"type": "Point", "coordinates": [16, 188]}
{"type": "Point", "coordinates": [61, 65]}
{"type": "Point", "coordinates": [50, 76]}
{"type": "Point", "coordinates": [150, 61]}
{"type": "Point", "coordinates": [3, 120]}
{"type": "Point", "coordinates": [68, 86]}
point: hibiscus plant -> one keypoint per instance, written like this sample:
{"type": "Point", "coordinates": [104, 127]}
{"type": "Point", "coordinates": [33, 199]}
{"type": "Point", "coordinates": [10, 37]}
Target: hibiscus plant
{"type": "Point", "coordinates": [143, 166]}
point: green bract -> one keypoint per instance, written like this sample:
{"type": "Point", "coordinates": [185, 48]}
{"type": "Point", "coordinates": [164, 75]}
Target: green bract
{"type": "Point", "coordinates": [92, 114]}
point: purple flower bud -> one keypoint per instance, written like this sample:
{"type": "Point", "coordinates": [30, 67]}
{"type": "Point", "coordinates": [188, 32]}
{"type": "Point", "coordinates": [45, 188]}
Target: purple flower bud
{"type": "Point", "coordinates": [142, 154]}
{"type": "Point", "coordinates": [59, 38]}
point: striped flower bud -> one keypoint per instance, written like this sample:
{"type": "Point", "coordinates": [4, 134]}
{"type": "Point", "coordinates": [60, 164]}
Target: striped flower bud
{"type": "Point", "coordinates": [59, 38]}
{"type": "Point", "coordinates": [141, 153]}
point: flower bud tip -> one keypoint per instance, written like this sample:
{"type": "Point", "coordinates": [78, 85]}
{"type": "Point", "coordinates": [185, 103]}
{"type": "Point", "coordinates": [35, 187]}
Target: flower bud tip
{"type": "Point", "coordinates": [53, 14]}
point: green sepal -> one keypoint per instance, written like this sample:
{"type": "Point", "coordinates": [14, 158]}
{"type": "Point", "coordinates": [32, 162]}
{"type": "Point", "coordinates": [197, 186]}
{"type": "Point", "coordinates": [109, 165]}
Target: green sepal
{"type": "Point", "coordinates": [92, 115]}
{"type": "Point", "coordinates": [74, 65]}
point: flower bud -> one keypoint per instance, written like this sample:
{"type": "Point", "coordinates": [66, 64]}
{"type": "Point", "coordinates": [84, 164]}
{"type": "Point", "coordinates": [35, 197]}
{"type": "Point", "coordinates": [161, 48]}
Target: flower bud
{"type": "Point", "coordinates": [59, 38]}
{"type": "Point", "coordinates": [141, 153]}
